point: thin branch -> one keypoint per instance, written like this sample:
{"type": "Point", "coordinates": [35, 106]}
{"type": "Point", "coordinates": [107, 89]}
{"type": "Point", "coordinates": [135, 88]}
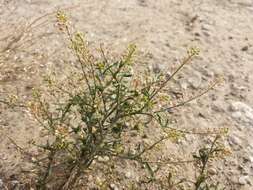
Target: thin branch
{"type": "Point", "coordinates": [185, 61]}
{"type": "Point", "coordinates": [190, 99]}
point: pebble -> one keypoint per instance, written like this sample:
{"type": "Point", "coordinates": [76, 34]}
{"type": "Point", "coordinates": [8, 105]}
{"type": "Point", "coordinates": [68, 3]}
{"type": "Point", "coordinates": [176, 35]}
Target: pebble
{"type": "Point", "coordinates": [234, 140]}
{"type": "Point", "coordinates": [206, 27]}
{"type": "Point", "coordinates": [113, 187]}
{"type": "Point", "coordinates": [15, 184]}
{"type": "Point", "coordinates": [212, 171]}
{"type": "Point", "coordinates": [103, 159]}
{"type": "Point", "coordinates": [242, 113]}
{"type": "Point", "coordinates": [1, 184]}
{"type": "Point", "coordinates": [158, 68]}
{"type": "Point", "coordinates": [236, 87]}
{"type": "Point", "coordinates": [208, 73]}
{"type": "Point", "coordinates": [184, 85]}
{"type": "Point", "coordinates": [142, 3]}
{"type": "Point", "coordinates": [245, 48]}
{"type": "Point", "coordinates": [128, 174]}
{"type": "Point", "coordinates": [243, 180]}
{"type": "Point", "coordinates": [207, 34]}
{"type": "Point", "coordinates": [251, 159]}
{"type": "Point", "coordinates": [90, 178]}
{"type": "Point", "coordinates": [238, 91]}
{"type": "Point", "coordinates": [217, 108]}
{"type": "Point", "coordinates": [195, 81]}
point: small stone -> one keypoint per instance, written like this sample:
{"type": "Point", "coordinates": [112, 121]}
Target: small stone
{"type": "Point", "coordinates": [158, 68]}
{"type": "Point", "coordinates": [231, 78]}
{"type": "Point", "coordinates": [208, 73]}
{"type": "Point", "coordinates": [212, 171]}
{"type": "Point", "coordinates": [234, 140]}
{"type": "Point", "coordinates": [194, 83]}
{"type": "Point", "coordinates": [245, 48]}
{"type": "Point", "coordinates": [207, 34]}
{"type": "Point", "coordinates": [90, 178]}
{"type": "Point", "coordinates": [243, 180]}
{"type": "Point", "coordinates": [128, 174]}
{"type": "Point", "coordinates": [217, 108]}
{"type": "Point", "coordinates": [205, 27]}
{"type": "Point", "coordinates": [242, 113]}
{"type": "Point", "coordinates": [201, 115]}
{"type": "Point", "coordinates": [240, 167]}
{"type": "Point", "coordinates": [197, 34]}
{"type": "Point", "coordinates": [113, 187]}
{"type": "Point", "coordinates": [1, 184]}
{"type": "Point", "coordinates": [167, 44]}
{"type": "Point", "coordinates": [168, 74]}
{"type": "Point", "coordinates": [236, 87]}
{"type": "Point", "coordinates": [103, 159]}
{"type": "Point", "coordinates": [15, 184]}
{"type": "Point", "coordinates": [142, 3]}
{"type": "Point", "coordinates": [184, 85]}
{"type": "Point", "coordinates": [195, 80]}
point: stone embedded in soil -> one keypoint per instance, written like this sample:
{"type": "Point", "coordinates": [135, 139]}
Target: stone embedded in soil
{"type": "Point", "coordinates": [142, 3]}
{"type": "Point", "coordinates": [251, 159]}
{"type": "Point", "coordinates": [212, 171]}
{"type": "Point", "coordinates": [15, 184]}
{"type": "Point", "coordinates": [1, 184]}
{"type": "Point", "coordinates": [195, 81]}
{"type": "Point", "coordinates": [234, 140]}
{"type": "Point", "coordinates": [245, 48]}
{"type": "Point", "coordinates": [128, 174]}
{"type": "Point", "coordinates": [243, 180]}
{"type": "Point", "coordinates": [237, 90]}
{"type": "Point", "coordinates": [242, 113]}
{"type": "Point", "coordinates": [217, 108]}
{"type": "Point", "coordinates": [183, 84]}
{"type": "Point", "coordinates": [158, 68]}
{"type": "Point", "coordinates": [113, 187]}
{"type": "Point", "coordinates": [207, 73]}
{"type": "Point", "coordinates": [103, 159]}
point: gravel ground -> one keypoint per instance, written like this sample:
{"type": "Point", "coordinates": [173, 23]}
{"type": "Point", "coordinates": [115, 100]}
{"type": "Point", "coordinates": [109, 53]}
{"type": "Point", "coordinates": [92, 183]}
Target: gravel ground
{"type": "Point", "coordinates": [163, 30]}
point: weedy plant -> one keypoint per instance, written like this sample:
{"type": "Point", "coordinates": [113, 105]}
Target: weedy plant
{"type": "Point", "coordinates": [90, 114]}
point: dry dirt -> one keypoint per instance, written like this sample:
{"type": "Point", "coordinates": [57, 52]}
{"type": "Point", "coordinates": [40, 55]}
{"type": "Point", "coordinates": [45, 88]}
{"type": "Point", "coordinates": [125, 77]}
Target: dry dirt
{"type": "Point", "coordinates": [163, 30]}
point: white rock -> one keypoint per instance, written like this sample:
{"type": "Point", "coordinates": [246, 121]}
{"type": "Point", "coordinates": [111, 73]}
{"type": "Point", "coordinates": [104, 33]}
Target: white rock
{"type": "Point", "coordinates": [234, 140]}
{"type": "Point", "coordinates": [90, 178]}
{"type": "Point", "coordinates": [242, 113]}
{"type": "Point", "coordinates": [15, 183]}
{"type": "Point", "coordinates": [243, 180]}
{"type": "Point", "coordinates": [251, 159]}
{"type": "Point", "coordinates": [113, 187]}
{"type": "Point", "coordinates": [195, 80]}
{"type": "Point", "coordinates": [128, 174]}
{"type": "Point", "coordinates": [218, 107]}
{"type": "Point", "coordinates": [103, 159]}
{"type": "Point", "coordinates": [184, 85]}
{"type": "Point", "coordinates": [158, 68]}
{"type": "Point", "coordinates": [212, 171]}
{"type": "Point", "coordinates": [1, 184]}
{"type": "Point", "coordinates": [236, 87]}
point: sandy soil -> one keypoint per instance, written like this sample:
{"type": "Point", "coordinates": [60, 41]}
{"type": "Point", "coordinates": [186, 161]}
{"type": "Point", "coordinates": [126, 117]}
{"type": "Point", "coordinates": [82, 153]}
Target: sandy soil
{"type": "Point", "coordinates": [163, 30]}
